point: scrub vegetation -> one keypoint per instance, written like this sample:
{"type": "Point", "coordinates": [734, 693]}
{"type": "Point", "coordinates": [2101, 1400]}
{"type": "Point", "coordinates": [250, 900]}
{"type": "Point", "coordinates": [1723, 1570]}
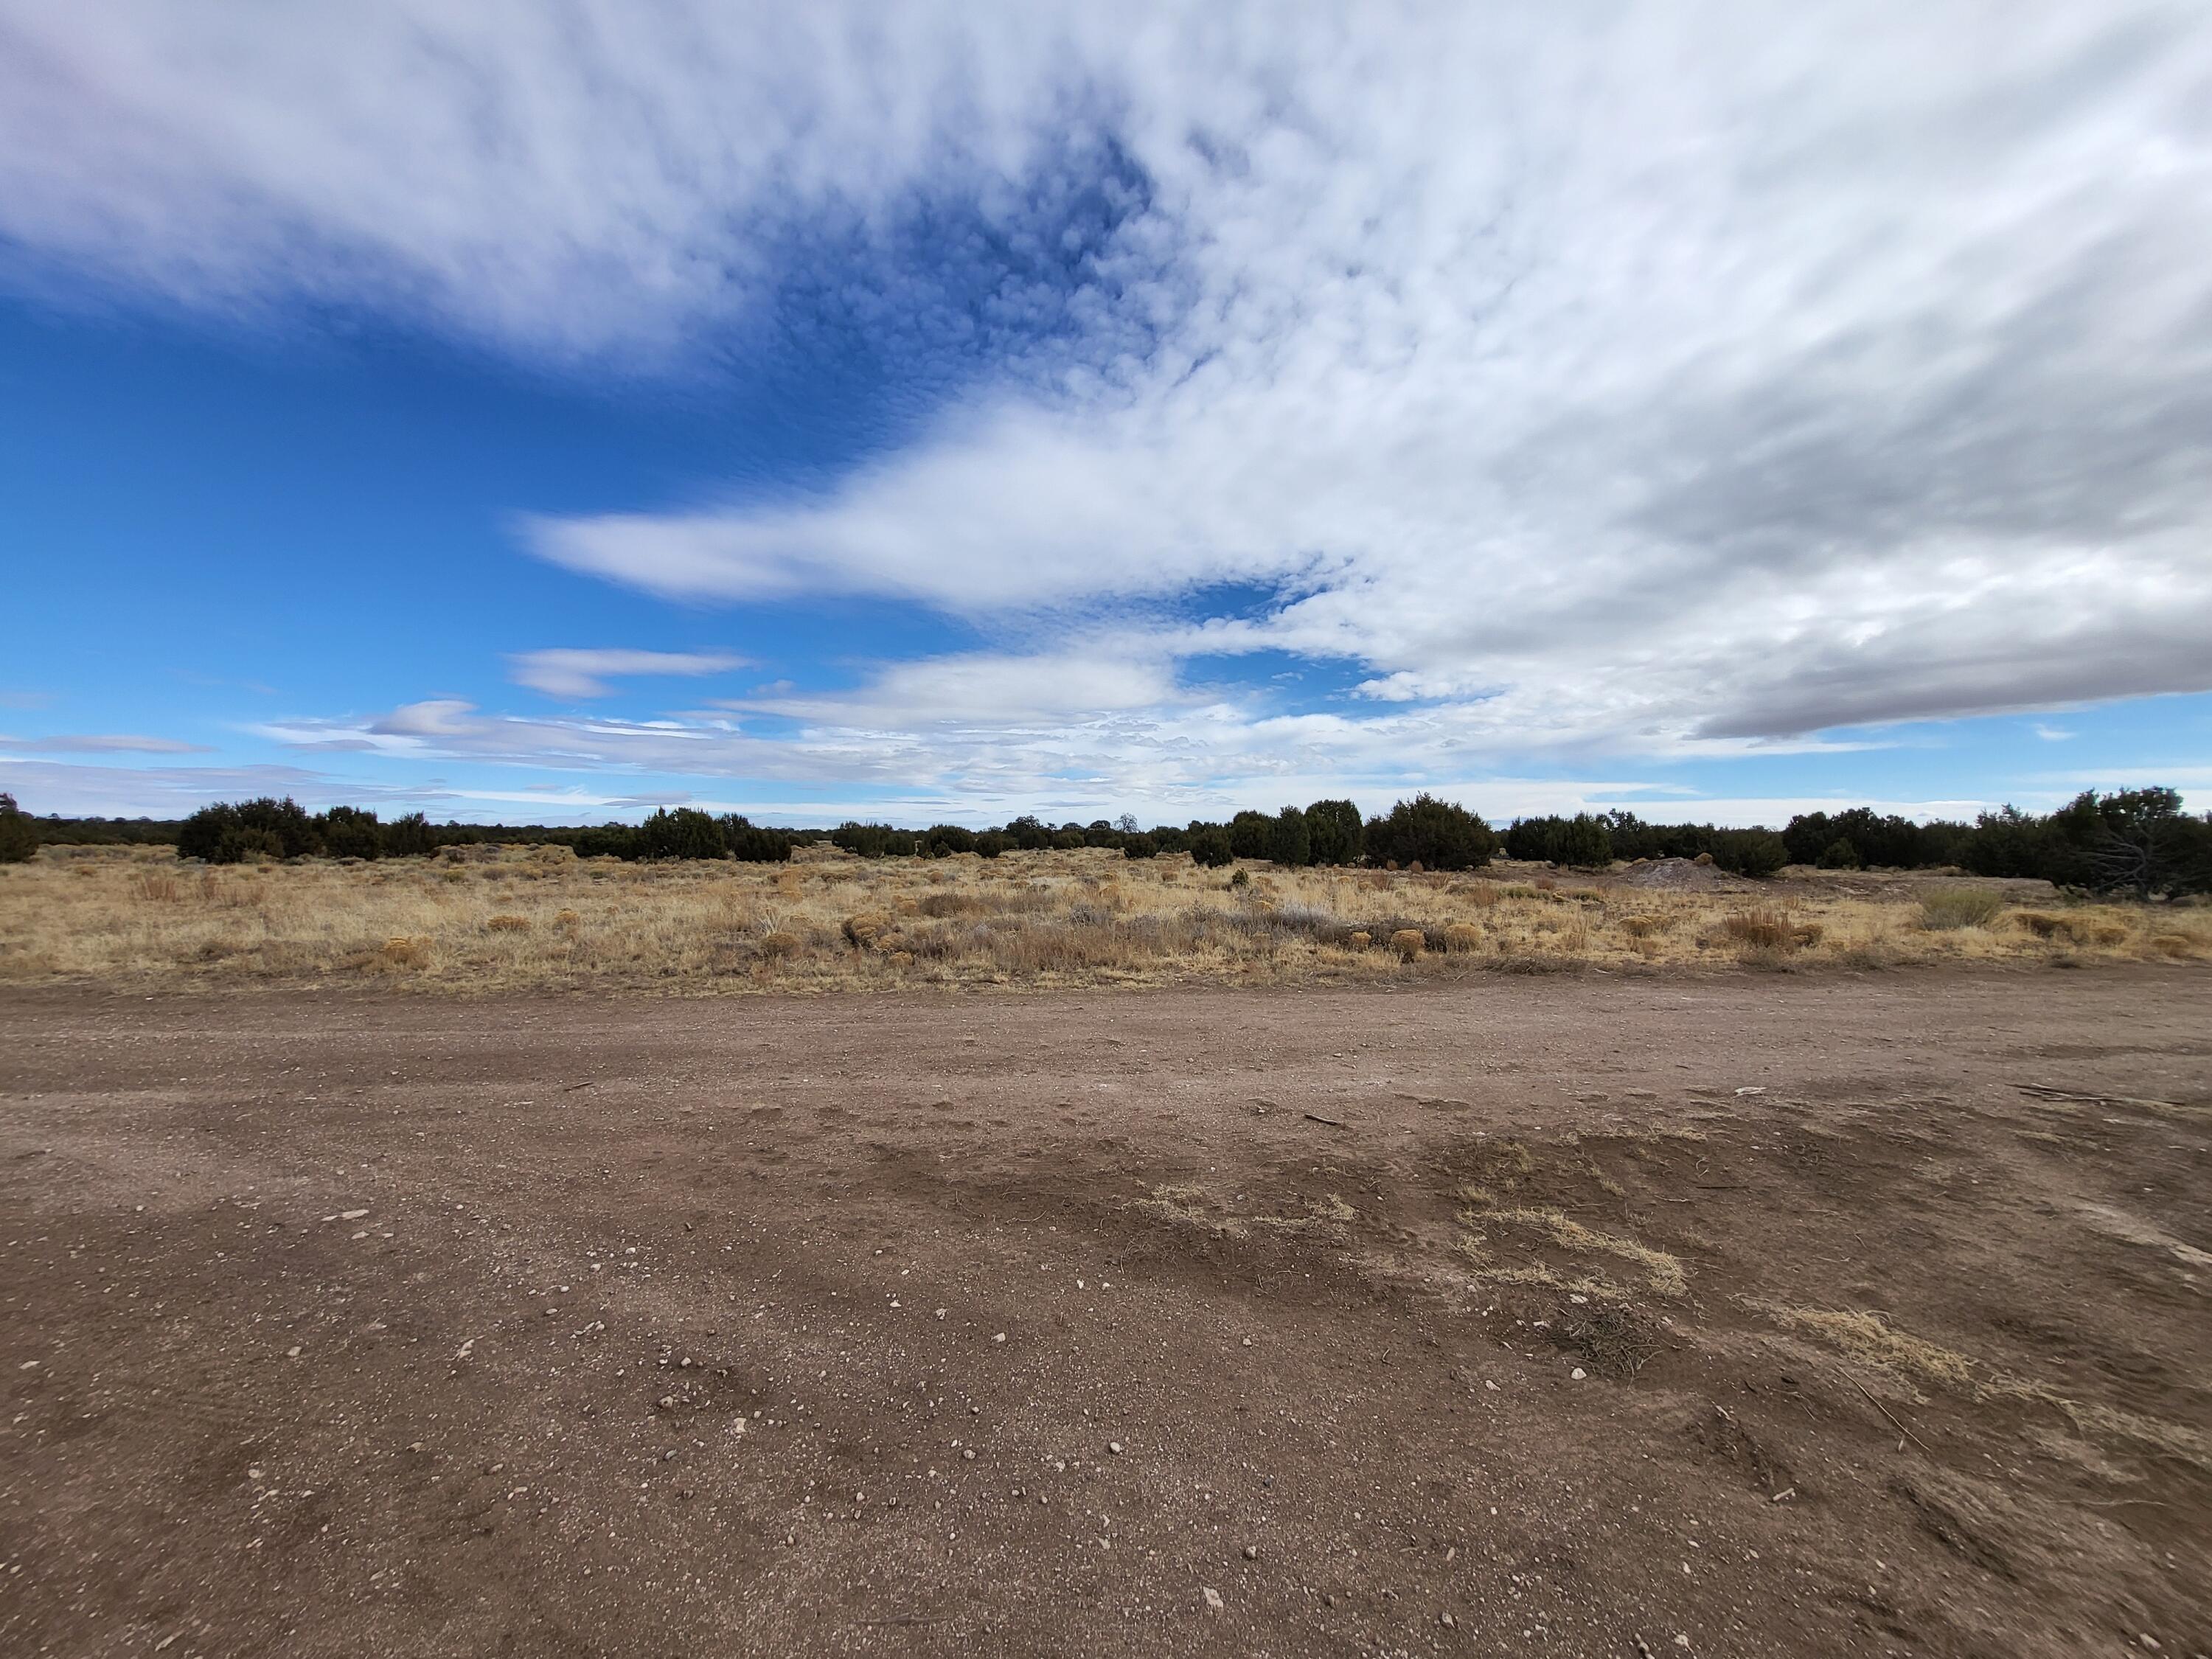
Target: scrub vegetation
{"type": "Point", "coordinates": [485, 917]}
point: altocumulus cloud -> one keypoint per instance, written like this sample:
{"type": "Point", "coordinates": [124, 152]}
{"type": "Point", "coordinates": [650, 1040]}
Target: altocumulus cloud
{"type": "Point", "coordinates": [1665, 379]}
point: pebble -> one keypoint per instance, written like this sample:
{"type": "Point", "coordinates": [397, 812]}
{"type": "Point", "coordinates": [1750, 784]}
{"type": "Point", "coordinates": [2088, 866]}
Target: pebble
{"type": "Point", "coordinates": [1251, 1552]}
{"type": "Point", "coordinates": [1000, 1337]}
{"type": "Point", "coordinates": [1213, 1597]}
{"type": "Point", "coordinates": [967, 1454]}
{"type": "Point", "coordinates": [291, 1353]}
{"type": "Point", "coordinates": [940, 1313]}
{"type": "Point", "coordinates": [1578, 1373]}
{"type": "Point", "coordinates": [351, 1215]}
{"type": "Point", "coordinates": [1447, 1621]}
{"type": "Point", "coordinates": [1113, 1446]}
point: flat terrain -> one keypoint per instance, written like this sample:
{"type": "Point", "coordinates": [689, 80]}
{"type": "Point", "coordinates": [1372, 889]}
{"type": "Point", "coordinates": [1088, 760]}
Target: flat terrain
{"type": "Point", "coordinates": [519, 919]}
{"type": "Point", "coordinates": [1574, 1315]}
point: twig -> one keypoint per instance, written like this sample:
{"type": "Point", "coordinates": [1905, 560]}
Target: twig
{"type": "Point", "coordinates": [1333, 1122]}
{"type": "Point", "coordinates": [1886, 1411]}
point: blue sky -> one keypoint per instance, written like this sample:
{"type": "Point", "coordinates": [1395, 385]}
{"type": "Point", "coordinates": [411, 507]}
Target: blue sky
{"type": "Point", "coordinates": [558, 411]}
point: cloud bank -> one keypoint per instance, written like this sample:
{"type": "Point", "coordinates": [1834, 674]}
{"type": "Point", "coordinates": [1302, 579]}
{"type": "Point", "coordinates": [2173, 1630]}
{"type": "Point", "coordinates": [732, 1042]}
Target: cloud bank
{"type": "Point", "coordinates": [1652, 381]}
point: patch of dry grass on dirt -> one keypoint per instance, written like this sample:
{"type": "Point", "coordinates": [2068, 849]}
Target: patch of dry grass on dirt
{"type": "Point", "coordinates": [1664, 1273]}
{"type": "Point", "coordinates": [482, 919]}
{"type": "Point", "coordinates": [1872, 1340]}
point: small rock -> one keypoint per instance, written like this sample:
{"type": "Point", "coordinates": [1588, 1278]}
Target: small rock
{"type": "Point", "coordinates": [351, 1215]}
{"type": "Point", "coordinates": [967, 1454]}
{"type": "Point", "coordinates": [1000, 1337]}
{"type": "Point", "coordinates": [1447, 1621]}
{"type": "Point", "coordinates": [1578, 1373]}
{"type": "Point", "coordinates": [940, 1313]}
{"type": "Point", "coordinates": [1113, 1446]}
{"type": "Point", "coordinates": [1251, 1552]}
{"type": "Point", "coordinates": [1749, 1088]}
{"type": "Point", "coordinates": [1684, 1641]}
{"type": "Point", "coordinates": [291, 1352]}
{"type": "Point", "coordinates": [1213, 1598]}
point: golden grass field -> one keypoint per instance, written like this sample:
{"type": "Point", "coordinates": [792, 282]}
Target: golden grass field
{"type": "Point", "coordinates": [484, 919]}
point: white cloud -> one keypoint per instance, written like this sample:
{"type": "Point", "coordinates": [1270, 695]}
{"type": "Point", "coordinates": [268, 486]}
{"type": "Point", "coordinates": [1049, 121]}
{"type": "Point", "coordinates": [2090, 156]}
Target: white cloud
{"type": "Point", "coordinates": [560, 673]}
{"type": "Point", "coordinates": [1674, 379]}
{"type": "Point", "coordinates": [102, 743]}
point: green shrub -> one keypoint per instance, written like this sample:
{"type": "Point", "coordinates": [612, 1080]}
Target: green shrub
{"type": "Point", "coordinates": [751, 844]}
{"type": "Point", "coordinates": [685, 833]}
{"type": "Point", "coordinates": [1334, 832]}
{"type": "Point", "coordinates": [1582, 840]}
{"type": "Point", "coordinates": [350, 832]}
{"type": "Point", "coordinates": [943, 839]}
{"type": "Point", "coordinates": [1750, 852]}
{"type": "Point", "coordinates": [409, 837]}
{"type": "Point", "coordinates": [224, 833]}
{"type": "Point", "coordinates": [1437, 834]}
{"type": "Point", "coordinates": [608, 841]}
{"type": "Point", "coordinates": [1839, 854]}
{"type": "Point", "coordinates": [1139, 846]}
{"type": "Point", "coordinates": [1209, 847]}
{"type": "Point", "coordinates": [1290, 843]}
{"type": "Point", "coordinates": [1249, 834]}
{"type": "Point", "coordinates": [19, 837]}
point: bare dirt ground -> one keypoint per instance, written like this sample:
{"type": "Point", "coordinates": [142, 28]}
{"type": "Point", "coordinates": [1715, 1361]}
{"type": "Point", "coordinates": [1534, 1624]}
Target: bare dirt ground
{"type": "Point", "coordinates": [1579, 1316]}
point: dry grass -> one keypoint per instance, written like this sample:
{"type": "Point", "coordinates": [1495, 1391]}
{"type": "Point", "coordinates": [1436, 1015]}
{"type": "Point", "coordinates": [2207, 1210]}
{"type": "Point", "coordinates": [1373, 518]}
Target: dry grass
{"type": "Point", "coordinates": [1961, 907]}
{"type": "Point", "coordinates": [1872, 1340]}
{"type": "Point", "coordinates": [1662, 1272]}
{"type": "Point", "coordinates": [495, 919]}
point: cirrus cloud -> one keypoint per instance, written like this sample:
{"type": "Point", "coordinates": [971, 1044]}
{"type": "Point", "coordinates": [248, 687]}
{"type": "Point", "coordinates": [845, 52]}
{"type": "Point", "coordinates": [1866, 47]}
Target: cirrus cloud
{"type": "Point", "coordinates": [566, 673]}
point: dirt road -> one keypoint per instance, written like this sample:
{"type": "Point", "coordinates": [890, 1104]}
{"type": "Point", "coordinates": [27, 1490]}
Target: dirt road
{"type": "Point", "coordinates": [1573, 1316]}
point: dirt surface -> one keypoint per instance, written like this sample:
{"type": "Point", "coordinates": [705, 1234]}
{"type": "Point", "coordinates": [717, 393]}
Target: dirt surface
{"type": "Point", "coordinates": [1580, 1316]}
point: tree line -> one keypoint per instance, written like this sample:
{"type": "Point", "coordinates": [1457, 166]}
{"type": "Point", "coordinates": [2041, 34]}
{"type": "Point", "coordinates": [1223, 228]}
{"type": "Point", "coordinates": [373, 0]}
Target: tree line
{"type": "Point", "coordinates": [2137, 841]}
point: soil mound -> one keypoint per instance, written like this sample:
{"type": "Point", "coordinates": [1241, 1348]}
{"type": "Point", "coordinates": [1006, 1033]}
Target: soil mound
{"type": "Point", "coordinates": [1682, 876]}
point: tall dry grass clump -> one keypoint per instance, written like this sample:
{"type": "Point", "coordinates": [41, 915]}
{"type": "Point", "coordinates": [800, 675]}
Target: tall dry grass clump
{"type": "Point", "coordinates": [1952, 907]}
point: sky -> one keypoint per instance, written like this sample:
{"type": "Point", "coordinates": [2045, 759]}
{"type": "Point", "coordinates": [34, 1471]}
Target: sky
{"type": "Point", "coordinates": [549, 409]}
